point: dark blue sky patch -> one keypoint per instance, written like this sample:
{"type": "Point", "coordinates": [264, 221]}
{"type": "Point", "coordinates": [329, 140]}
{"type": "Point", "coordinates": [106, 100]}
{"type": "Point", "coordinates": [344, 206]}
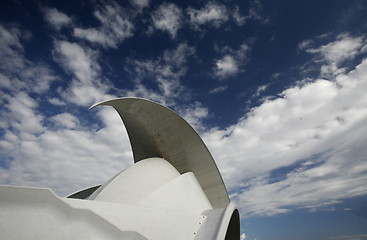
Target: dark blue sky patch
{"type": "Point", "coordinates": [346, 218]}
{"type": "Point", "coordinates": [5, 161]}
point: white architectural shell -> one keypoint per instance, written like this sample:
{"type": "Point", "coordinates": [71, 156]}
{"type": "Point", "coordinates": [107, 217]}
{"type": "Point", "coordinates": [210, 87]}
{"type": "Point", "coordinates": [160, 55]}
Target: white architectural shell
{"type": "Point", "coordinates": [173, 191]}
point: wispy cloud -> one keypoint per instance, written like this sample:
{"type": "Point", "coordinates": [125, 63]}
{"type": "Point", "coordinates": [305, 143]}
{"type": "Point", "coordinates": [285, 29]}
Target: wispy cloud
{"type": "Point", "coordinates": [333, 54]}
{"type": "Point", "coordinates": [43, 149]}
{"type": "Point", "coordinates": [218, 89]}
{"type": "Point", "coordinates": [65, 120]}
{"type": "Point", "coordinates": [317, 125]}
{"type": "Point", "coordinates": [260, 89]}
{"type": "Point", "coordinates": [168, 17]}
{"type": "Point", "coordinates": [238, 18]}
{"type": "Point", "coordinates": [302, 139]}
{"type": "Point", "coordinates": [19, 73]}
{"type": "Point", "coordinates": [230, 64]}
{"type": "Point", "coordinates": [140, 3]}
{"type": "Point", "coordinates": [194, 114]}
{"type": "Point", "coordinates": [56, 19]}
{"type": "Point", "coordinates": [65, 159]}
{"type": "Point", "coordinates": [212, 13]}
{"type": "Point", "coordinates": [19, 114]}
{"type": "Point", "coordinates": [226, 67]}
{"type": "Point", "coordinates": [255, 12]}
{"type": "Point", "coordinates": [76, 60]}
{"type": "Point", "coordinates": [85, 88]}
{"type": "Point", "coordinates": [59, 150]}
{"type": "Point", "coordinates": [165, 71]}
{"type": "Point", "coordinates": [115, 26]}
{"type": "Point", "coordinates": [56, 101]}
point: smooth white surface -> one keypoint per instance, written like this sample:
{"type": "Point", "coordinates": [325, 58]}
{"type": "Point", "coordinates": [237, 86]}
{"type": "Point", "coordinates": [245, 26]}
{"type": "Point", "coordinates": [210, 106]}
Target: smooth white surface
{"type": "Point", "coordinates": [33, 214]}
{"type": "Point", "coordinates": [216, 224]}
{"type": "Point", "coordinates": [155, 183]}
{"type": "Point", "coordinates": [182, 194]}
{"type": "Point", "coordinates": [152, 223]}
{"type": "Point", "coordinates": [149, 200]}
{"type": "Point", "coordinates": [136, 182]}
{"type": "Point", "coordinates": [30, 213]}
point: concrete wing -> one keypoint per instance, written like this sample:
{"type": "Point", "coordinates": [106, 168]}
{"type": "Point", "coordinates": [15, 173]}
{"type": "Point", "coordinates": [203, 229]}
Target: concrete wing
{"type": "Point", "coordinates": [156, 131]}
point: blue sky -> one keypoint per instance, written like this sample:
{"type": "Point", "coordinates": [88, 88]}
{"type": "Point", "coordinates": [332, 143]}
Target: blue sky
{"type": "Point", "coordinates": [277, 90]}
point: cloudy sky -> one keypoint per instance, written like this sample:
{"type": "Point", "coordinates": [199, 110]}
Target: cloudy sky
{"type": "Point", "coordinates": [277, 90]}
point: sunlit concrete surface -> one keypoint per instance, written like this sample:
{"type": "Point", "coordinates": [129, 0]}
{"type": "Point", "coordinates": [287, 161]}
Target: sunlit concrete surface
{"type": "Point", "coordinates": [173, 191]}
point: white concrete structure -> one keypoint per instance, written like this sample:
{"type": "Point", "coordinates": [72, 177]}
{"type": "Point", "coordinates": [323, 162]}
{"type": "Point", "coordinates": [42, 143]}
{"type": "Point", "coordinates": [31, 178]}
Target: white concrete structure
{"type": "Point", "coordinates": [173, 191]}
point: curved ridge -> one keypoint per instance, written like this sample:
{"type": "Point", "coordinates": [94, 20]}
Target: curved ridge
{"type": "Point", "coordinates": [157, 131]}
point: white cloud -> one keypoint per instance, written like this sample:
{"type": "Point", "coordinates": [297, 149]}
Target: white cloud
{"type": "Point", "coordinates": [20, 78]}
{"type": "Point", "coordinates": [140, 3]}
{"type": "Point", "coordinates": [86, 87]}
{"type": "Point", "coordinates": [143, 91]}
{"type": "Point", "coordinates": [344, 48]}
{"type": "Point", "coordinates": [255, 12]}
{"type": "Point", "coordinates": [19, 114]}
{"type": "Point", "coordinates": [305, 44]}
{"type": "Point", "coordinates": [168, 17]}
{"type": "Point", "coordinates": [230, 63]}
{"type": "Point", "coordinates": [225, 67]}
{"type": "Point", "coordinates": [60, 151]}
{"type": "Point", "coordinates": [260, 89]}
{"type": "Point", "coordinates": [194, 114]}
{"type": "Point", "coordinates": [56, 19]}
{"type": "Point", "coordinates": [67, 159]}
{"type": "Point", "coordinates": [67, 155]}
{"type": "Point", "coordinates": [165, 71]}
{"type": "Point", "coordinates": [240, 20]}
{"type": "Point", "coordinates": [243, 51]}
{"type": "Point", "coordinates": [212, 13]}
{"type": "Point", "coordinates": [243, 236]}
{"type": "Point", "coordinates": [17, 71]}
{"type": "Point", "coordinates": [218, 89]}
{"type": "Point", "coordinates": [56, 101]}
{"type": "Point", "coordinates": [318, 127]}
{"type": "Point", "coordinates": [77, 60]}
{"type": "Point", "coordinates": [11, 47]}
{"type": "Point", "coordinates": [11, 50]}
{"type": "Point", "coordinates": [5, 81]}
{"type": "Point", "coordinates": [115, 27]}
{"type": "Point", "coordinates": [62, 155]}
{"type": "Point", "coordinates": [178, 57]}
{"type": "Point", "coordinates": [65, 120]}
{"type": "Point", "coordinates": [276, 75]}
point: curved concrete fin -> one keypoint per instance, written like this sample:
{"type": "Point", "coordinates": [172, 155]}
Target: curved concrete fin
{"type": "Point", "coordinates": [156, 131]}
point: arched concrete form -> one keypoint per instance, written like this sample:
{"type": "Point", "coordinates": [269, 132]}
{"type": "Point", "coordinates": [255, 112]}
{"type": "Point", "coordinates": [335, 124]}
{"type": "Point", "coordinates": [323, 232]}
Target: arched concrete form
{"type": "Point", "coordinates": [156, 131]}
{"type": "Point", "coordinates": [233, 229]}
{"type": "Point", "coordinates": [220, 224]}
{"type": "Point", "coordinates": [173, 191]}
